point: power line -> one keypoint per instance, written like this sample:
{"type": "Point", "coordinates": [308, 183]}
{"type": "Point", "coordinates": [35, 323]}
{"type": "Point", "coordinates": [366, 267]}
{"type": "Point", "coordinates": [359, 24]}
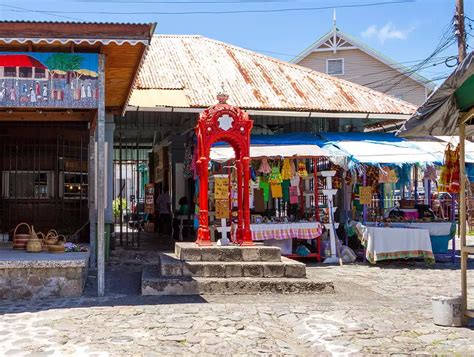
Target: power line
{"type": "Point", "coordinates": [446, 40]}
{"type": "Point", "coordinates": [22, 9]}
{"type": "Point", "coordinates": [217, 12]}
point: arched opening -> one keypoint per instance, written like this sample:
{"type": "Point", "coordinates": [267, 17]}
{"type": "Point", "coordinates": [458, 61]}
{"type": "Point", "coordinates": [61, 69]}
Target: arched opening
{"type": "Point", "coordinates": [223, 122]}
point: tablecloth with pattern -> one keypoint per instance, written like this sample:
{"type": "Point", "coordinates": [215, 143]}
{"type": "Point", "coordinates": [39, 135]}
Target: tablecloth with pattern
{"type": "Point", "coordinates": [304, 230]}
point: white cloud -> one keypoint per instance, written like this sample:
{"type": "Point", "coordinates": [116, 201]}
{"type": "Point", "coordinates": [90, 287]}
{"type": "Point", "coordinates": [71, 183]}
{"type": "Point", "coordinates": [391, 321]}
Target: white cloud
{"type": "Point", "coordinates": [387, 32]}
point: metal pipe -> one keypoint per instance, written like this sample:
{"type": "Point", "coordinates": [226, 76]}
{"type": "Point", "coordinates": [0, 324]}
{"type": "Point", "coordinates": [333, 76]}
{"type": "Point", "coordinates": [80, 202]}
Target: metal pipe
{"type": "Point", "coordinates": [101, 180]}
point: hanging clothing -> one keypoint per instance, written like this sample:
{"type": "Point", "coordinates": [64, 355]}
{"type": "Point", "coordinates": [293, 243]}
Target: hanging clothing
{"type": "Point", "coordinates": [265, 186]}
{"type": "Point", "coordinates": [259, 200]}
{"type": "Point", "coordinates": [293, 195]}
{"type": "Point", "coordinates": [285, 185]}
{"type": "Point", "coordinates": [264, 167]}
{"type": "Point", "coordinates": [292, 168]}
{"type": "Point", "coordinates": [286, 170]}
{"type": "Point", "coordinates": [295, 182]}
{"type": "Point", "coordinates": [277, 191]}
{"type": "Point", "coordinates": [275, 176]}
{"type": "Point", "coordinates": [302, 172]}
{"type": "Point", "coordinates": [188, 159]}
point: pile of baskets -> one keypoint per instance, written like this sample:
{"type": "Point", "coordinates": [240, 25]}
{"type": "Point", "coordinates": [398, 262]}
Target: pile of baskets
{"type": "Point", "coordinates": [25, 238]}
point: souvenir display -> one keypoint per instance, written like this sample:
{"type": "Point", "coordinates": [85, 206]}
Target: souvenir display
{"type": "Point", "coordinates": [286, 170]}
{"type": "Point", "coordinates": [302, 172]}
{"type": "Point", "coordinates": [275, 176]}
{"type": "Point", "coordinates": [264, 167]}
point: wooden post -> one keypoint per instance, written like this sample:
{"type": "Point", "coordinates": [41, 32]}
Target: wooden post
{"type": "Point", "coordinates": [462, 215]}
{"type": "Point", "coordinates": [100, 177]}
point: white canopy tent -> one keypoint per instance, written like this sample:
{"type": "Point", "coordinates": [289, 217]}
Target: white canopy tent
{"type": "Point", "coordinates": [226, 153]}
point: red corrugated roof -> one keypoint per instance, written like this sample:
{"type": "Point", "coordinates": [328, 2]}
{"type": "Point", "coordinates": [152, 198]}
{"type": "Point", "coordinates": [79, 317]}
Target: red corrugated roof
{"type": "Point", "coordinates": [199, 67]}
{"type": "Point", "coordinates": [20, 61]}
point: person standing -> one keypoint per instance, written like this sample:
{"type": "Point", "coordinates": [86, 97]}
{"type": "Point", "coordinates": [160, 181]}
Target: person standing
{"type": "Point", "coordinates": [163, 203]}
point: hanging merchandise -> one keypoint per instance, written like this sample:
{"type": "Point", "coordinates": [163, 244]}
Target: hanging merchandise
{"type": "Point", "coordinates": [337, 178]}
{"type": "Point", "coordinates": [302, 172]}
{"type": "Point", "coordinates": [286, 190]}
{"type": "Point", "coordinates": [295, 182]}
{"type": "Point", "coordinates": [293, 195]}
{"type": "Point", "coordinates": [372, 176]}
{"type": "Point", "coordinates": [292, 168]}
{"type": "Point", "coordinates": [265, 186]}
{"type": "Point", "coordinates": [450, 171]}
{"type": "Point", "coordinates": [348, 178]}
{"type": "Point", "coordinates": [277, 191]}
{"type": "Point", "coordinates": [387, 175]}
{"type": "Point", "coordinates": [430, 173]}
{"type": "Point", "coordinates": [188, 171]}
{"type": "Point", "coordinates": [264, 167]}
{"type": "Point", "coordinates": [286, 170]}
{"type": "Point", "coordinates": [253, 174]}
{"type": "Point", "coordinates": [259, 201]}
{"type": "Point", "coordinates": [403, 174]}
{"type": "Point", "coordinates": [194, 163]}
{"type": "Point", "coordinates": [275, 176]}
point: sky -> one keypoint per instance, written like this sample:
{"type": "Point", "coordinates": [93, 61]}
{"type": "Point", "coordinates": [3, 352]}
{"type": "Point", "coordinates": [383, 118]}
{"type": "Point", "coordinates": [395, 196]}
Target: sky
{"type": "Point", "coordinates": [407, 32]}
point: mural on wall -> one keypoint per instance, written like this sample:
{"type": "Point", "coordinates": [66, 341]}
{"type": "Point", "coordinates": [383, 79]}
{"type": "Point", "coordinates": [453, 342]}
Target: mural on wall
{"type": "Point", "coordinates": [48, 80]}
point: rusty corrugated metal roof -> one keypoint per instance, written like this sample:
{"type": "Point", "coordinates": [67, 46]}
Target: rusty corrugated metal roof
{"type": "Point", "coordinates": [200, 66]}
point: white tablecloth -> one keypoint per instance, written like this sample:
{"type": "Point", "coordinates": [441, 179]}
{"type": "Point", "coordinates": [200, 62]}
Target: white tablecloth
{"type": "Point", "coordinates": [304, 230]}
{"type": "Point", "coordinates": [435, 228]}
{"type": "Point", "coordinates": [384, 243]}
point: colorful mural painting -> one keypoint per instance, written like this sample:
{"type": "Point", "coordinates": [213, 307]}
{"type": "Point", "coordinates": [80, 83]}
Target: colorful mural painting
{"type": "Point", "coordinates": [48, 80]}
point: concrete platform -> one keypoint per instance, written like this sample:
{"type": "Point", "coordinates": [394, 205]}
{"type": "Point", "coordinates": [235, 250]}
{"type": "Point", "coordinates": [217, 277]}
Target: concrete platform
{"type": "Point", "coordinates": [26, 275]}
{"type": "Point", "coordinates": [153, 283]}
{"type": "Point", "coordinates": [227, 270]}
{"type": "Point", "coordinates": [172, 266]}
{"type": "Point", "coordinates": [193, 252]}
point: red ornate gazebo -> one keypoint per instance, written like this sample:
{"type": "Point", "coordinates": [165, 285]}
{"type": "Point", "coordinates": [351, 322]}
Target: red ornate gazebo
{"type": "Point", "coordinates": [224, 122]}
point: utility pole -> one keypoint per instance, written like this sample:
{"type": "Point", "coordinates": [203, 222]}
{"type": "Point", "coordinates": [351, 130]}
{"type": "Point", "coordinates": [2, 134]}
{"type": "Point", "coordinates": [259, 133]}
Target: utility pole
{"type": "Point", "coordinates": [460, 30]}
{"type": "Point", "coordinates": [461, 35]}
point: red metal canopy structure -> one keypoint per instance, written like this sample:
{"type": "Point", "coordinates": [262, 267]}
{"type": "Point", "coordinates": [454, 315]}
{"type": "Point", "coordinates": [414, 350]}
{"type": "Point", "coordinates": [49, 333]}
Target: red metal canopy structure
{"type": "Point", "coordinates": [224, 122]}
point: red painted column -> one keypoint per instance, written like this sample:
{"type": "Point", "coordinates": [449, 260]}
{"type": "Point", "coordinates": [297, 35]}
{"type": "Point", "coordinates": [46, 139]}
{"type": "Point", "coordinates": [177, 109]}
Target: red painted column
{"type": "Point", "coordinates": [247, 238]}
{"type": "Point", "coordinates": [203, 235]}
{"type": "Point", "coordinates": [240, 220]}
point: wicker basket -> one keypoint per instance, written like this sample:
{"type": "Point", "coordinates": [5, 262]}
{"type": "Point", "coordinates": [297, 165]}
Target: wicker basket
{"type": "Point", "coordinates": [20, 239]}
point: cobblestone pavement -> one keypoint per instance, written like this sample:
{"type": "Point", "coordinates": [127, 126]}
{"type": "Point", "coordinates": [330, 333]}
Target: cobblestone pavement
{"type": "Point", "coordinates": [383, 309]}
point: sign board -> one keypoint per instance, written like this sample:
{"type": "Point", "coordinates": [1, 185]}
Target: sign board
{"type": "Point", "coordinates": [49, 80]}
{"type": "Point", "coordinates": [221, 187]}
{"type": "Point", "coordinates": [222, 209]}
{"type": "Point", "coordinates": [149, 198]}
{"type": "Point", "coordinates": [365, 195]}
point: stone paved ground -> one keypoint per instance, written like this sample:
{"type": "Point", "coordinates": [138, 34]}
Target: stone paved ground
{"type": "Point", "coordinates": [384, 309]}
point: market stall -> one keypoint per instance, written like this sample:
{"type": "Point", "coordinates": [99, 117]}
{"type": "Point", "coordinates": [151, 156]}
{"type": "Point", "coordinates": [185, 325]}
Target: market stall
{"type": "Point", "coordinates": [391, 181]}
{"type": "Point", "coordinates": [285, 200]}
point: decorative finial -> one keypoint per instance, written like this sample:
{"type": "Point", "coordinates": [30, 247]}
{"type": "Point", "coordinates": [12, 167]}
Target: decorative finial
{"type": "Point", "coordinates": [222, 96]}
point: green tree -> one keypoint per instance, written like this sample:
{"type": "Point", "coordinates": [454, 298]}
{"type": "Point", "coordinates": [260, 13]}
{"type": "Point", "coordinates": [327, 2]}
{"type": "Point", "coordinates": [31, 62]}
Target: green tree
{"type": "Point", "coordinates": [66, 62]}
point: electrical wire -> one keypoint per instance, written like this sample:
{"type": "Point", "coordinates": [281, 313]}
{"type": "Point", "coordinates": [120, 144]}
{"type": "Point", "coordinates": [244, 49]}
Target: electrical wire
{"type": "Point", "coordinates": [216, 12]}
{"type": "Point", "coordinates": [22, 9]}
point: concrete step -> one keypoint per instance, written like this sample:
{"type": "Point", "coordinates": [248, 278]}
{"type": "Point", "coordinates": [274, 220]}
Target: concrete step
{"type": "Point", "coordinates": [172, 266]}
{"type": "Point", "coordinates": [155, 284]}
{"type": "Point", "coordinates": [193, 252]}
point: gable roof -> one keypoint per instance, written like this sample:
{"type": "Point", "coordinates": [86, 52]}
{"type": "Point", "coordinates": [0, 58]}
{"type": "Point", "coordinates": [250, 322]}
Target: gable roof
{"type": "Point", "coordinates": [196, 68]}
{"type": "Point", "coordinates": [350, 42]}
